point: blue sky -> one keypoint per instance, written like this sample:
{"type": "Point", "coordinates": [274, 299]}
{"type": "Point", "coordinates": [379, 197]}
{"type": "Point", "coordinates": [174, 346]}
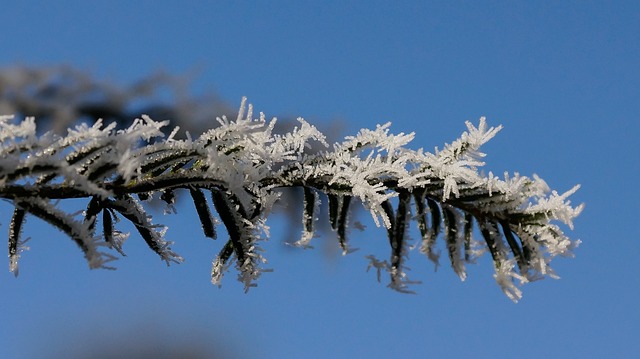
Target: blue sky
{"type": "Point", "coordinates": [562, 77]}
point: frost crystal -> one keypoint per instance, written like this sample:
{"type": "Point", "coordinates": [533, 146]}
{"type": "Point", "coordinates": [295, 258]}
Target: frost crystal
{"type": "Point", "coordinates": [241, 165]}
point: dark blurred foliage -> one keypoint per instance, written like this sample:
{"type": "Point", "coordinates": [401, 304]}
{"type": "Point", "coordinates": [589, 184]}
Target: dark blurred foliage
{"type": "Point", "coordinates": [61, 96]}
{"type": "Point", "coordinates": [143, 342]}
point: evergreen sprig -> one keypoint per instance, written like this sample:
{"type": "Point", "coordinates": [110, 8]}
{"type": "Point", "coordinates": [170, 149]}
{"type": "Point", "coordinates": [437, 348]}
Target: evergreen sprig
{"type": "Point", "coordinates": [240, 165]}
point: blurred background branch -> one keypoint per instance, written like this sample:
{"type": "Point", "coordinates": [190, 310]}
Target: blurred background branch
{"type": "Point", "coordinates": [61, 96]}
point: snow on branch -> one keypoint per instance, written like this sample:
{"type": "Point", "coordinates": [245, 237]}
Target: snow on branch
{"type": "Point", "coordinates": [236, 170]}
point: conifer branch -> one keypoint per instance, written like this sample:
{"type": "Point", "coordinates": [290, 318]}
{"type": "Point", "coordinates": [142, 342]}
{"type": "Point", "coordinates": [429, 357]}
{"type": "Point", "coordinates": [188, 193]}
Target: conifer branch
{"type": "Point", "coordinates": [243, 165]}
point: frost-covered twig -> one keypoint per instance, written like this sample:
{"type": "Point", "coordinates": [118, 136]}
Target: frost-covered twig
{"type": "Point", "coordinates": [242, 164]}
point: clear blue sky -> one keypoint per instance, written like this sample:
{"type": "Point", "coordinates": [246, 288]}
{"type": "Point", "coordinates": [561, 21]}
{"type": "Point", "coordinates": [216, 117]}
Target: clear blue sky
{"type": "Point", "coordinates": [562, 77]}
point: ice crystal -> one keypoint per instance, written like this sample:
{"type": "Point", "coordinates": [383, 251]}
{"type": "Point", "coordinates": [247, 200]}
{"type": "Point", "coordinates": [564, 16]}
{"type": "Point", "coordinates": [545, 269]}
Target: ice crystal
{"type": "Point", "coordinates": [505, 275]}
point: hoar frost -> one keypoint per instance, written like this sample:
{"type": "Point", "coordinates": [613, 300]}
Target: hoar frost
{"type": "Point", "coordinates": [237, 169]}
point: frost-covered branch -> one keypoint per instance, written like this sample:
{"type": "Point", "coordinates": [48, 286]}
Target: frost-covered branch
{"type": "Point", "coordinates": [241, 165]}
